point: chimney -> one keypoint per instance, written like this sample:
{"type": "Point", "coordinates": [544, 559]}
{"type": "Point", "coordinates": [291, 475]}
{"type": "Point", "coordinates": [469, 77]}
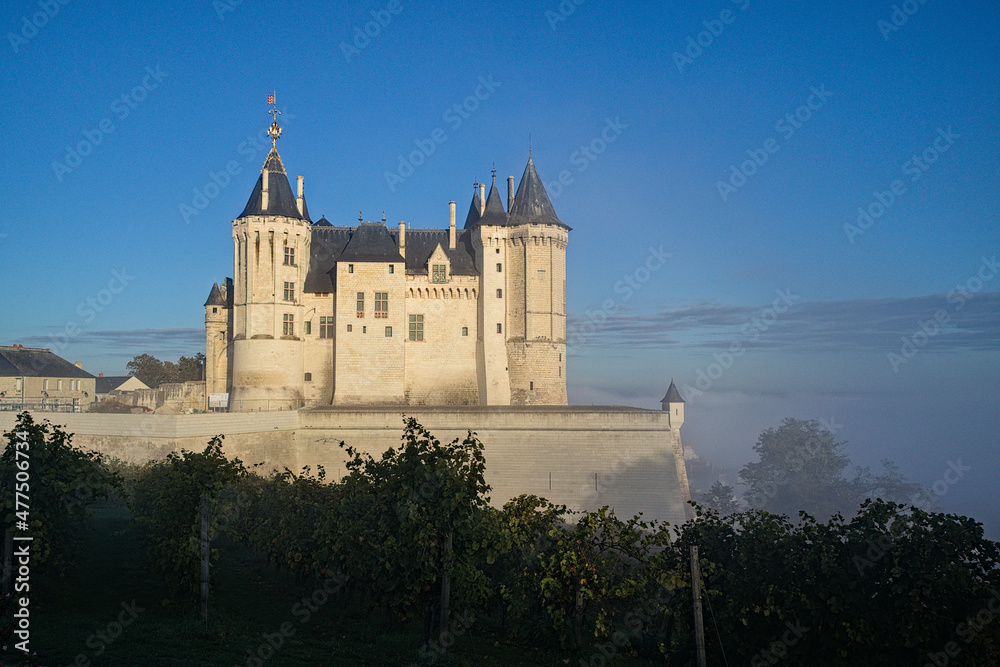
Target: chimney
{"type": "Point", "coordinates": [263, 190]}
{"type": "Point", "coordinates": [482, 198]}
{"type": "Point", "coordinates": [299, 200]}
{"type": "Point", "coordinates": [510, 192]}
{"type": "Point", "coordinates": [402, 238]}
{"type": "Point", "coordinates": [451, 225]}
{"type": "Point", "coordinates": [100, 375]}
{"type": "Point", "coordinates": [78, 364]}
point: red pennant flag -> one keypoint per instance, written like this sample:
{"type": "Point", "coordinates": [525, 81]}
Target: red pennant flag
{"type": "Point", "coordinates": [270, 99]}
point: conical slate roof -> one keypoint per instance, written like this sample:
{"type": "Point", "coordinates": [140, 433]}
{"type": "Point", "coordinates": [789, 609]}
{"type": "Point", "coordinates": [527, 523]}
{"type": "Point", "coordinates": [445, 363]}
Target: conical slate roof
{"type": "Point", "coordinates": [531, 203]}
{"type": "Point", "coordinates": [494, 213]}
{"type": "Point", "coordinates": [215, 297]}
{"type": "Point", "coordinates": [672, 395]}
{"type": "Point", "coordinates": [473, 217]}
{"type": "Point", "coordinates": [280, 198]}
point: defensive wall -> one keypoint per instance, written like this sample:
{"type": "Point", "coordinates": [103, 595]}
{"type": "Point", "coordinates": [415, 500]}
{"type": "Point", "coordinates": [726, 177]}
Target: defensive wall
{"type": "Point", "coordinates": [584, 457]}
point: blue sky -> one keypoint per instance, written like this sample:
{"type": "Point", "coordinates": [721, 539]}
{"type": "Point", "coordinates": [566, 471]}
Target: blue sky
{"type": "Point", "coordinates": [643, 111]}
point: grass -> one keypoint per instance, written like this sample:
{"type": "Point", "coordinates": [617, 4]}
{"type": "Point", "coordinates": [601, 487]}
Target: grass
{"type": "Point", "coordinates": [249, 601]}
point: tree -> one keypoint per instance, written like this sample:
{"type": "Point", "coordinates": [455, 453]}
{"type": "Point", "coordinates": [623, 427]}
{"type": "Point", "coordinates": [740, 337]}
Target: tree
{"type": "Point", "coordinates": [149, 369]}
{"type": "Point", "coordinates": [719, 497]}
{"type": "Point", "coordinates": [802, 468]}
{"type": "Point", "coordinates": [154, 372]}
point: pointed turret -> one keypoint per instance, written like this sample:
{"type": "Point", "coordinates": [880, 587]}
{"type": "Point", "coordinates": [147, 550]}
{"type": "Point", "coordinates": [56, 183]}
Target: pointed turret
{"type": "Point", "coordinates": [272, 195]}
{"type": "Point", "coordinates": [673, 405]}
{"type": "Point", "coordinates": [531, 203]}
{"type": "Point", "coordinates": [473, 217]}
{"type": "Point", "coordinates": [494, 213]}
{"type": "Point", "coordinates": [215, 297]}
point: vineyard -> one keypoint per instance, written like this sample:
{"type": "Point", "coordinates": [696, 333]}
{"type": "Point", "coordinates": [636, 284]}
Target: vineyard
{"type": "Point", "coordinates": [412, 546]}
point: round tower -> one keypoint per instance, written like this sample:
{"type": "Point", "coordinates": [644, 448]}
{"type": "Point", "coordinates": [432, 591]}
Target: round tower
{"type": "Point", "coordinates": [536, 341]}
{"type": "Point", "coordinates": [217, 337]}
{"type": "Point", "coordinates": [271, 242]}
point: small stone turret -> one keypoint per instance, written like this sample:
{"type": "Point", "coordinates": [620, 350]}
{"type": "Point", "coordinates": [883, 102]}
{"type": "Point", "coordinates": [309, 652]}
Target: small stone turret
{"type": "Point", "coordinates": [673, 405]}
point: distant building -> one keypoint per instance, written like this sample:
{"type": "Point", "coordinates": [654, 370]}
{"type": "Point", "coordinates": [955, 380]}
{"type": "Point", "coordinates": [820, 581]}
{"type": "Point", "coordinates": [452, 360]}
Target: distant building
{"type": "Point", "coordinates": [35, 378]}
{"type": "Point", "coordinates": [324, 314]}
{"type": "Point", "coordinates": [115, 385]}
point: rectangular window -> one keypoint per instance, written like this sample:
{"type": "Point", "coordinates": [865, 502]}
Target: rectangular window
{"type": "Point", "coordinates": [465, 331]}
{"type": "Point", "coordinates": [309, 328]}
{"type": "Point", "coordinates": [499, 267]}
{"type": "Point", "coordinates": [326, 327]}
{"type": "Point", "coordinates": [499, 328]}
{"type": "Point", "coordinates": [58, 385]}
{"type": "Point", "coordinates": [289, 294]}
{"type": "Point", "coordinates": [388, 332]}
{"type": "Point", "coordinates": [289, 256]}
{"type": "Point", "coordinates": [438, 274]}
{"type": "Point", "coordinates": [499, 293]}
{"type": "Point", "coordinates": [416, 327]}
{"type": "Point", "coordinates": [361, 304]}
{"type": "Point", "coordinates": [381, 305]}
{"type": "Point", "coordinates": [288, 324]}
{"type": "Point", "coordinates": [392, 268]}
{"type": "Point", "coordinates": [45, 385]}
{"type": "Point", "coordinates": [350, 268]}
{"type": "Point", "coordinates": [350, 328]}
{"type": "Point", "coordinates": [364, 329]}
{"type": "Point", "coordinates": [531, 386]}
{"type": "Point", "coordinates": [309, 377]}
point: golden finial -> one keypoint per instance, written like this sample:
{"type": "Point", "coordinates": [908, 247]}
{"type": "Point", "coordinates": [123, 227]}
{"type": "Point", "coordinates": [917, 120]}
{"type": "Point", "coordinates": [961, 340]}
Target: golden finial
{"type": "Point", "coordinates": [275, 130]}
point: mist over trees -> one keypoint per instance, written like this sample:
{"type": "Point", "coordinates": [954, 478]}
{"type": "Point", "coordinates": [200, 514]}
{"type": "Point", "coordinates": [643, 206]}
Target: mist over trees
{"type": "Point", "coordinates": [154, 372]}
{"type": "Point", "coordinates": [802, 467]}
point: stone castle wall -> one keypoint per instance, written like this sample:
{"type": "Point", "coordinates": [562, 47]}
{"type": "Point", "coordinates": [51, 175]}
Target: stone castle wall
{"type": "Point", "coordinates": [583, 457]}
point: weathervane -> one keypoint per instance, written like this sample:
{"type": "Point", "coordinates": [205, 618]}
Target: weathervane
{"type": "Point", "coordinates": [275, 130]}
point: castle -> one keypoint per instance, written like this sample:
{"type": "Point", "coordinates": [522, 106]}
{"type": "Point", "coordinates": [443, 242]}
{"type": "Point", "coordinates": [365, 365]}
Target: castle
{"type": "Point", "coordinates": [320, 314]}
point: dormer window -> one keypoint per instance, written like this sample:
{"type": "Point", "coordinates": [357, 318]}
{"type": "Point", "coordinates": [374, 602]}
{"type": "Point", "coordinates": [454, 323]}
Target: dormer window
{"type": "Point", "coordinates": [439, 273]}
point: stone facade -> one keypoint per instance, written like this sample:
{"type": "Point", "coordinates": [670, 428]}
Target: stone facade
{"type": "Point", "coordinates": [318, 314]}
{"type": "Point", "coordinates": [583, 457]}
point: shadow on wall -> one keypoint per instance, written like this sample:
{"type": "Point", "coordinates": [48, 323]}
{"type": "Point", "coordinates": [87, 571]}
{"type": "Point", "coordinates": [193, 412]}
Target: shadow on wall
{"type": "Point", "coordinates": [648, 485]}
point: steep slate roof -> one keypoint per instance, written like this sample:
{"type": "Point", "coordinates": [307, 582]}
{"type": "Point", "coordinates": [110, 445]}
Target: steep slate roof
{"type": "Point", "coordinates": [339, 244]}
{"type": "Point", "coordinates": [280, 198]}
{"type": "Point", "coordinates": [215, 296]}
{"type": "Point", "coordinates": [371, 242]}
{"type": "Point", "coordinates": [37, 362]}
{"type": "Point", "coordinates": [672, 395]}
{"type": "Point", "coordinates": [494, 213]}
{"type": "Point", "coordinates": [420, 245]}
{"type": "Point", "coordinates": [473, 217]}
{"type": "Point", "coordinates": [531, 203]}
{"type": "Point", "coordinates": [323, 222]}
